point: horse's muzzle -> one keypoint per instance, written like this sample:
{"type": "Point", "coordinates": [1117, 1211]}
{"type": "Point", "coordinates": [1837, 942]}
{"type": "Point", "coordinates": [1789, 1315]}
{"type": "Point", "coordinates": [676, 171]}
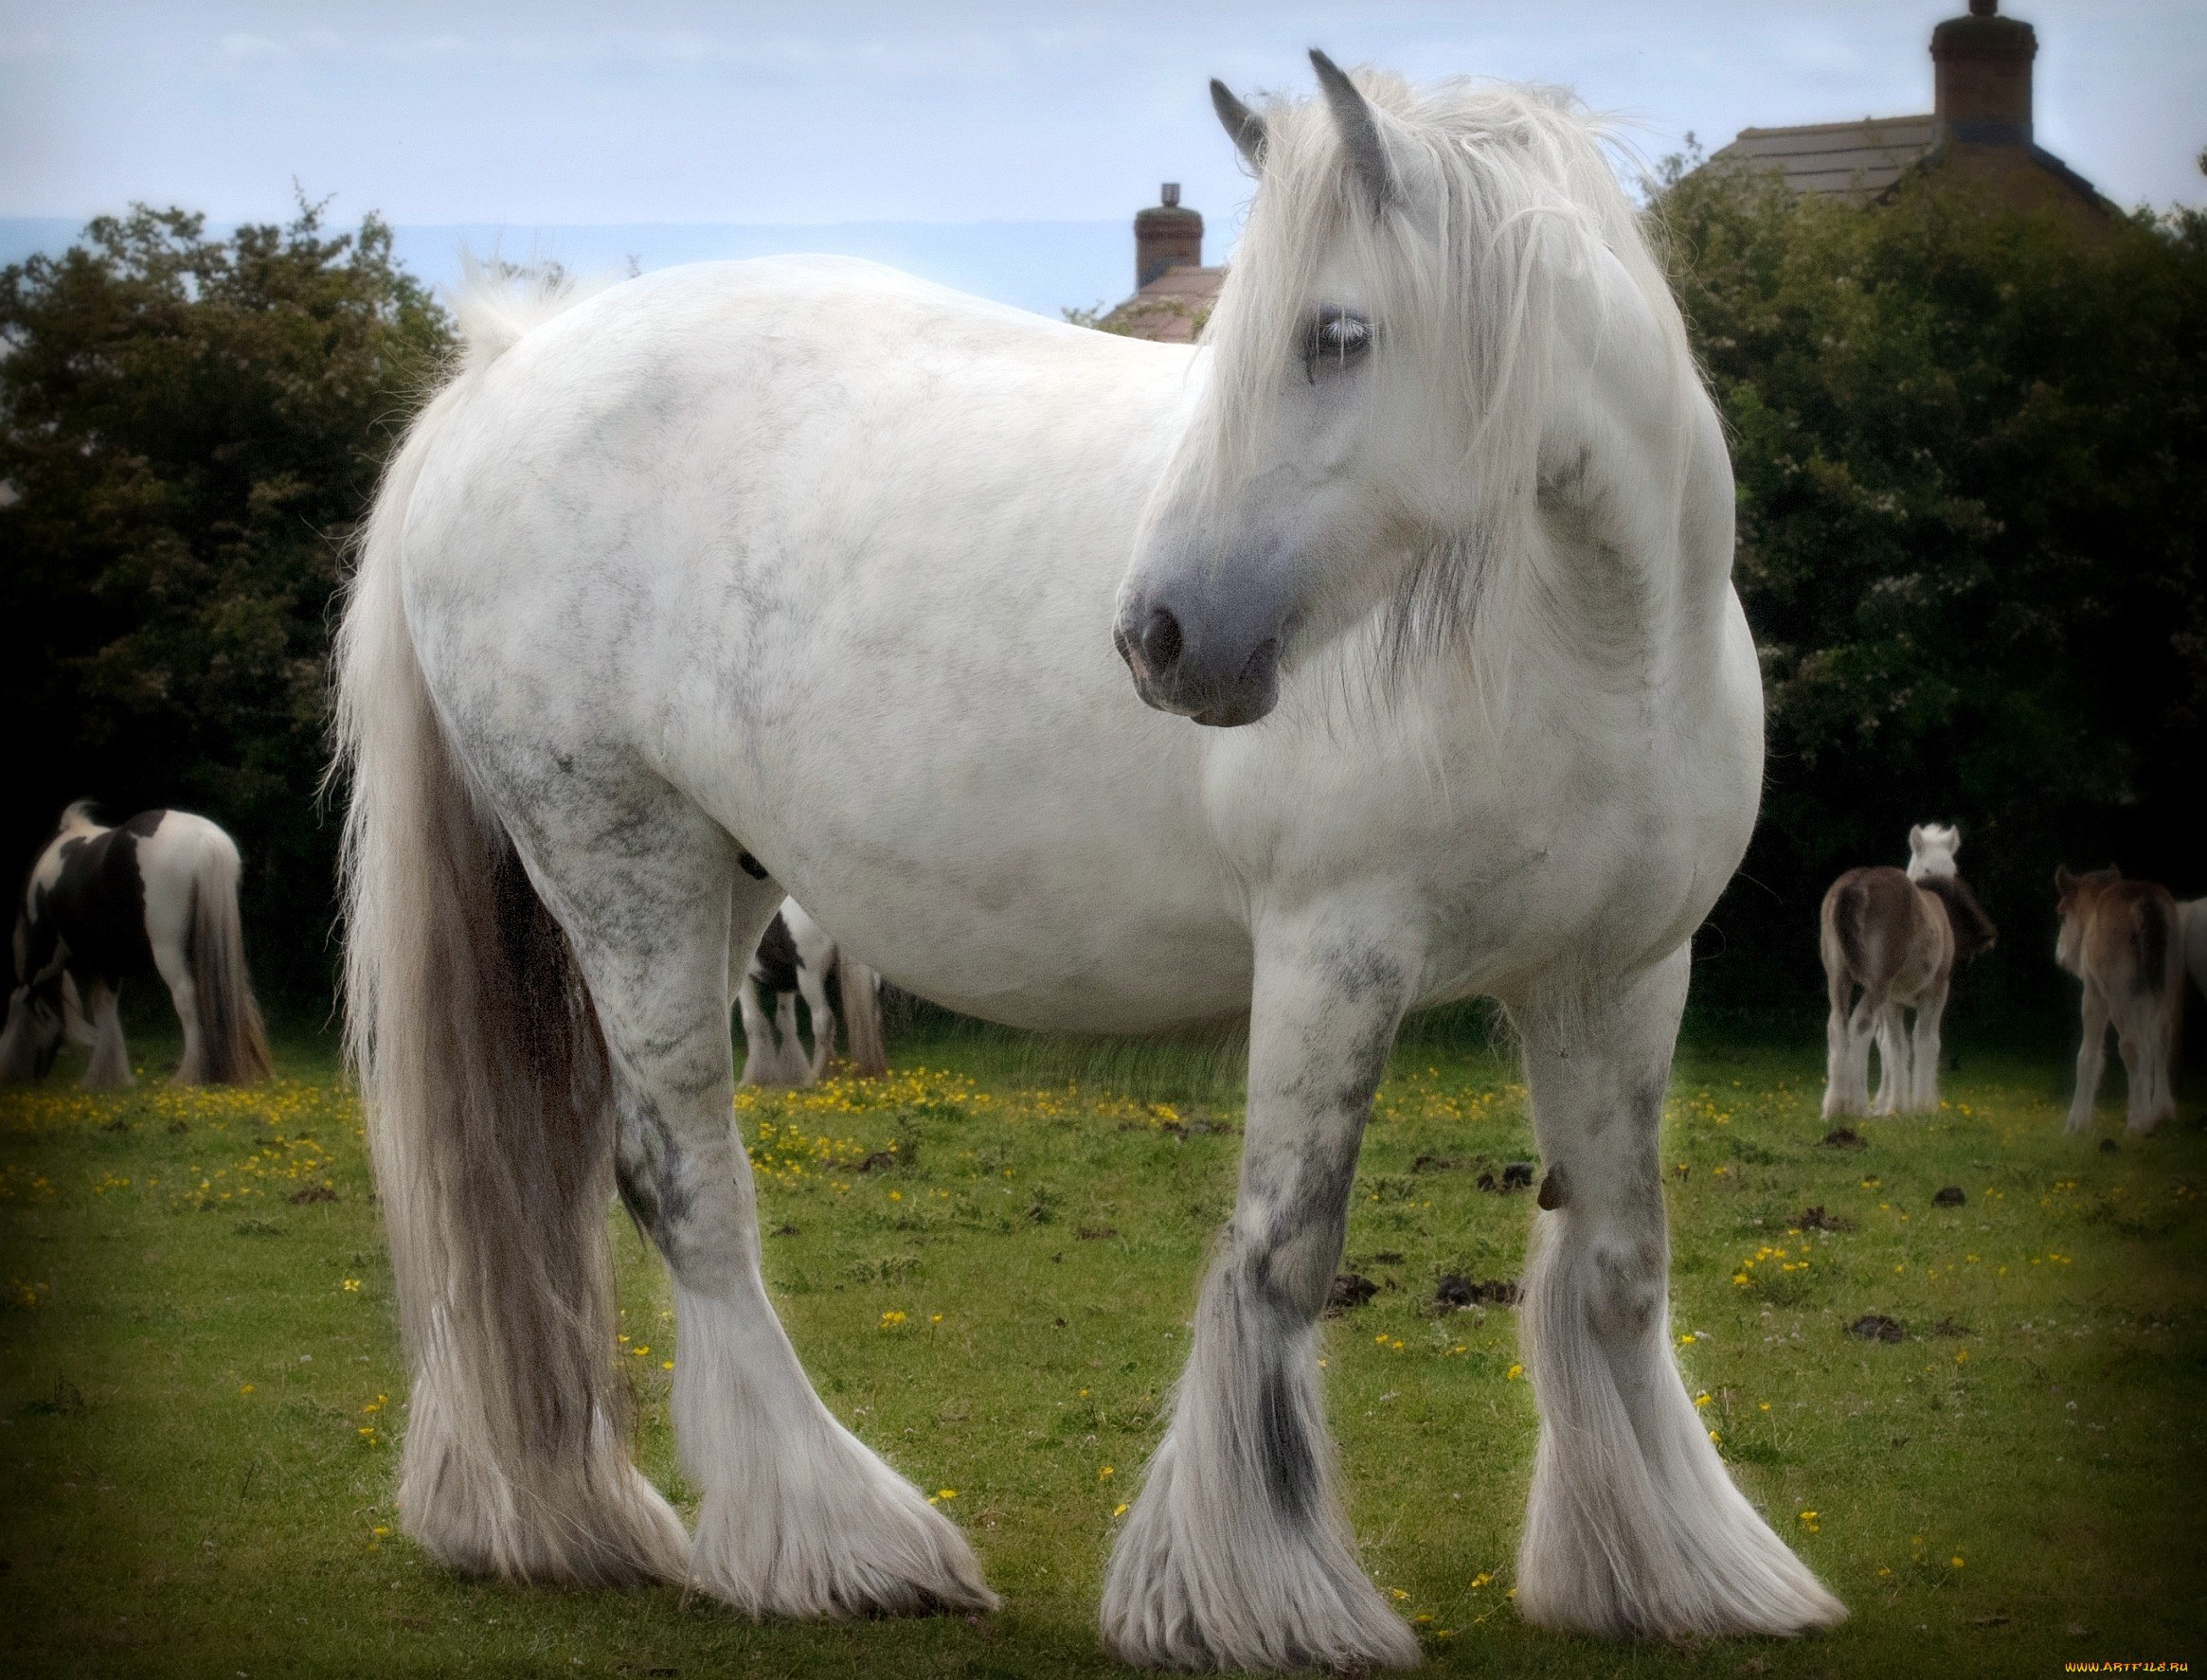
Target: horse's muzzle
{"type": "Point", "coordinates": [1214, 677]}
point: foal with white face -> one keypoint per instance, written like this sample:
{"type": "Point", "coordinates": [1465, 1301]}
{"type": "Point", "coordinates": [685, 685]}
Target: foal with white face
{"type": "Point", "coordinates": [1435, 531]}
{"type": "Point", "coordinates": [1891, 940]}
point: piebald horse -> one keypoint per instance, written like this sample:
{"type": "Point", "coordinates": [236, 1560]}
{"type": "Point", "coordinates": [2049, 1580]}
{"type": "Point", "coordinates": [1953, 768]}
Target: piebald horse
{"type": "Point", "coordinates": [794, 958]}
{"type": "Point", "coordinates": [809, 561]}
{"type": "Point", "coordinates": [1896, 935]}
{"type": "Point", "coordinates": [2124, 939]}
{"type": "Point", "coordinates": [156, 896]}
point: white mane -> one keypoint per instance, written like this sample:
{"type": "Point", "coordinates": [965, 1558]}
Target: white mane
{"type": "Point", "coordinates": [1510, 198]}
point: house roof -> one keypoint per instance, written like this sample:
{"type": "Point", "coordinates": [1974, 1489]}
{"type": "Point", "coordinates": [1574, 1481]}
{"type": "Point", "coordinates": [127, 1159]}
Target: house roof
{"type": "Point", "coordinates": [1859, 160]}
{"type": "Point", "coordinates": [1171, 309]}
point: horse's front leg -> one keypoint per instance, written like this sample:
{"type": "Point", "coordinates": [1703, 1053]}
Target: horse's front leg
{"type": "Point", "coordinates": [1634, 1528]}
{"type": "Point", "coordinates": [1925, 1052]}
{"type": "Point", "coordinates": [2091, 1058]}
{"type": "Point", "coordinates": [1893, 1062]}
{"type": "Point", "coordinates": [110, 1067]}
{"type": "Point", "coordinates": [1237, 1555]}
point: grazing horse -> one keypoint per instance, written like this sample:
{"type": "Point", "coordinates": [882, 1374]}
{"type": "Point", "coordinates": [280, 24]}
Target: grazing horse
{"type": "Point", "coordinates": [794, 958]}
{"type": "Point", "coordinates": [2126, 941]}
{"type": "Point", "coordinates": [156, 896]}
{"type": "Point", "coordinates": [809, 561]}
{"type": "Point", "coordinates": [1896, 935]}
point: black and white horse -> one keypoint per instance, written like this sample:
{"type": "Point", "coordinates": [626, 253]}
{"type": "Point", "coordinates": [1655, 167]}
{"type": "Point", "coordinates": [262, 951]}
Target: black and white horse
{"type": "Point", "coordinates": [156, 896]}
{"type": "Point", "coordinates": [793, 959]}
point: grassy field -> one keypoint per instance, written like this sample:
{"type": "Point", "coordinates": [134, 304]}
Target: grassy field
{"type": "Point", "coordinates": [201, 1392]}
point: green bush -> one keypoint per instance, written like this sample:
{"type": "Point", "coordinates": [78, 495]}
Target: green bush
{"type": "Point", "coordinates": [188, 427]}
{"type": "Point", "coordinates": [1969, 447]}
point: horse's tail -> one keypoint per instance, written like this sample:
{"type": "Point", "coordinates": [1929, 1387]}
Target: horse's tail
{"type": "Point", "coordinates": [233, 1043]}
{"type": "Point", "coordinates": [1850, 925]}
{"type": "Point", "coordinates": [484, 1081]}
{"type": "Point", "coordinates": [861, 989]}
{"type": "Point", "coordinates": [2154, 943]}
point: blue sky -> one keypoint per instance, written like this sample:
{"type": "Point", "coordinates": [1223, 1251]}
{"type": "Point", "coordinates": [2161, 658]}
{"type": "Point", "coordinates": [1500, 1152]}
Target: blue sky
{"type": "Point", "coordinates": [554, 116]}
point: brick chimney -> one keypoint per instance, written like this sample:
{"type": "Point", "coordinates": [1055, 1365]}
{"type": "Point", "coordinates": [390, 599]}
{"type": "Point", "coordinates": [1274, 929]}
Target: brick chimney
{"type": "Point", "coordinates": [1982, 68]}
{"type": "Point", "coordinates": [1166, 235]}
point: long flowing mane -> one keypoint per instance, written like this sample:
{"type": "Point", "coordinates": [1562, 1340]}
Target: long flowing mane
{"type": "Point", "coordinates": [1514, 200]}
{"type": "Point", "coordinates": [1974, 933]}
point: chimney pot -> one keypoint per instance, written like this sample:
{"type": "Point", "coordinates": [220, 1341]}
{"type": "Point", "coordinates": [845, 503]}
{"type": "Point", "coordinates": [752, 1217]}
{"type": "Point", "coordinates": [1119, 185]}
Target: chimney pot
{"type": "Point", "coordinates": [1169, 193]}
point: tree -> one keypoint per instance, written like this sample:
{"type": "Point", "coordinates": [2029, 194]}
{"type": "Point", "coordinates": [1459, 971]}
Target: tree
{"type": "Point", "coordinates": [188, 429]}
{"type": "Point", "coordinates": [1968, 443]}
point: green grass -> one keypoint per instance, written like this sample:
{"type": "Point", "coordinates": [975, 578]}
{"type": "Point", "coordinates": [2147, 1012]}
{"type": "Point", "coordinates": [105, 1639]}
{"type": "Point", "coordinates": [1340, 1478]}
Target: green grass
{"type": "Point", "coordinates": [192, 1480]}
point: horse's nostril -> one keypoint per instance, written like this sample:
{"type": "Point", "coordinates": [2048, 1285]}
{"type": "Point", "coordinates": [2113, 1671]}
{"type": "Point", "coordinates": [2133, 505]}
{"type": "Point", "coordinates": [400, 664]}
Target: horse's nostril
{"type": "Point", "coordinates": [1261, 660]}
{"type": "Point", "coordinates": [1160, 640]}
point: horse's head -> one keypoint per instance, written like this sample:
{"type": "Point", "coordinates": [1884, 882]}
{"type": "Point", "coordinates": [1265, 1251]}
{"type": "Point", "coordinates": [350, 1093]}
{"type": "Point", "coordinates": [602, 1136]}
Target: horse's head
{"type": "Point", "coordinates": [1932, 850]}
{"type": "Point", "coordinates": [2075, 895]}
{"type": "Point", "coordinates": [32, 1037]}
{"type": "Point", "coordinates": [1363, 426]}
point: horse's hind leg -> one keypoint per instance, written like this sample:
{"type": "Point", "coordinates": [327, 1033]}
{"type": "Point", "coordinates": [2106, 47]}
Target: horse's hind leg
{"type": "Point", "coordinates": [798, 1517]}
{"type": "Point", "coordinates": [175, 970]}
{"type": "Point", "coordinates": [110, 1066]}
{"type": "Point", "coordinates": [1839, 1096]}
{"type": "Point", "coordinates": [1237, 1554]}
{"type": "Point", "coordinates": [1893, 1062]}
{"type": "Point", "coordinates": [1634, 1528]}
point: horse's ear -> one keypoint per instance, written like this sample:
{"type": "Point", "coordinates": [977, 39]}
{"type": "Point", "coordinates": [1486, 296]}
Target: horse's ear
{"type": "Point", "coordinates": [1359, 130]}
{"type": "Point", "coordinates": [2063, 880]}
{"type": "Point", "coordinates": [1915, 838]}
{"type": "Point", "coordinates": [1242, 124]}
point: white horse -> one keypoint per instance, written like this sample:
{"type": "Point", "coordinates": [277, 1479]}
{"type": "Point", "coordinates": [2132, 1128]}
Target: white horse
{"type": "Point", "coordinates": [158, 896]}
{"type": "Point", "coordinates": [812, 562]}
{"type": "Point", "coordinates": [794, 958]}
{"type": "Point", "coordinates": [1898, 936]}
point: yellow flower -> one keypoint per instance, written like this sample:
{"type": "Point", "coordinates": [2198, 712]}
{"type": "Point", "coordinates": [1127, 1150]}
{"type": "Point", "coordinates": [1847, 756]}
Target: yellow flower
{"type": "Point", "coordinates": [1480, 1580]}
{"type": "Point", "coordinates": [1513, 1373]}
{"type": "Point", "coordinates": [1105, 1474]}
{"type": "Point", "coordinates": [1118, 1511]}
{"type": "Point", "coordinates": [1398, 1591]}
{"type": "Point", "coordinates": [351, 1286]}
{"type": "Point", "coordinates": [945, 1492]}
{"type": "Point", "coordinates": [1688, 1338]}
{"type": "Point", "coordinates": [1701, 1398]}
{"type": "Point", "coordinates": [666, 1365]}
{"type": "Point", "coordinates": [890, 1320]}
{"type": "Point", "coordinates": [1955, 1560]}
{"type": "Point", "coordinates": [246, 1389]}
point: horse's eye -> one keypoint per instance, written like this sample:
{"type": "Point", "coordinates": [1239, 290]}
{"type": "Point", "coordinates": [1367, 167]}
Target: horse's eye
{"type": "Point", "coordinates": [1333, 338]}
